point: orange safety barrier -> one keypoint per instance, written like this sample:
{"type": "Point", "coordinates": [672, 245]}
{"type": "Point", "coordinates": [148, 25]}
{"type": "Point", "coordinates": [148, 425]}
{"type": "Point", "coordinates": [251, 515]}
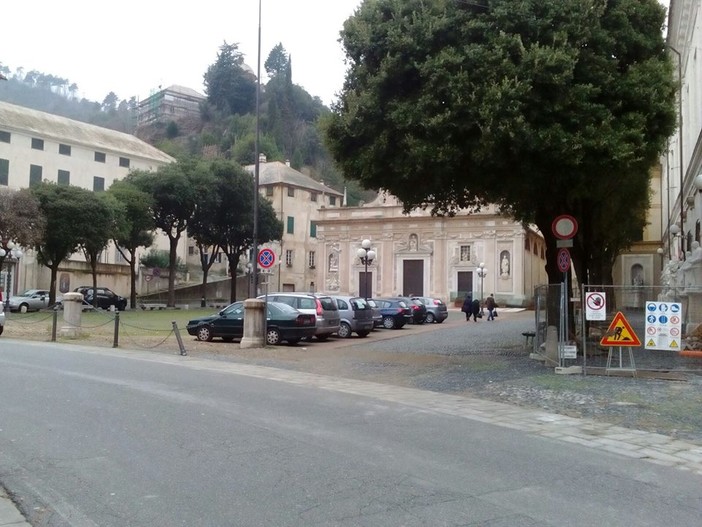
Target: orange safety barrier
{"type": "Point", "coordinates": [696, 354]}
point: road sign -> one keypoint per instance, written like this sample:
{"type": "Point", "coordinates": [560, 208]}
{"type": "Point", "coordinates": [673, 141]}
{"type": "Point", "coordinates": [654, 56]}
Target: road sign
{"type": "Point", "coordinates": [620, 333]}
{"type": "Point", "coordinates": [266, 258]}
{"type": "Point", "coordinates": [563, 260]}
{"type": "Point", "coordinates": [564, 227]}
{"type": "Point", "coordinates": [595, 306]}
{"type": "Point", "coordinates": [663, 325]}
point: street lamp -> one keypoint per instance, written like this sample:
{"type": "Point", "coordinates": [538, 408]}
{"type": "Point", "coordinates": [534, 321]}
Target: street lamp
{"type": "Point", "coordinates": [12, 252]}
{"type": "Point", "coordinates": [482, 273]}
{"type": "Point", "coordinates": [366, 255]}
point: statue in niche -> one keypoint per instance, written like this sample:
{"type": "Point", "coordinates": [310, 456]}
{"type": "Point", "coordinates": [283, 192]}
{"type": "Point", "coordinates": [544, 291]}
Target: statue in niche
{"type": "Point", "coordinates": [413, 242]}
{"type": "Point", "coordinates": [504, 265]}
{"type": "Point", "coordinates": [333, 262]}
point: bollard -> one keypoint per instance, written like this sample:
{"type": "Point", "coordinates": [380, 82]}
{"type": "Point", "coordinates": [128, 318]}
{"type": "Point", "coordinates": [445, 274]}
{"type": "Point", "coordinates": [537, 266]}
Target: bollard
{"type": "Point", "coordinates": [115, 341]}
{"type": "Point", "coordinates": [180, 341]}
{"type": "Point", "coordinates": [203, 302]}
{"type": "Point", "coordinates": [53, 325]}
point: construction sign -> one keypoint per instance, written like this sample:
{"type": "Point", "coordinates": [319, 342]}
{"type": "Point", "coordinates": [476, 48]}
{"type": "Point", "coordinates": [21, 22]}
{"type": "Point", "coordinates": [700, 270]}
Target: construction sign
{"type": "Point", "coordinates": [620, 333]}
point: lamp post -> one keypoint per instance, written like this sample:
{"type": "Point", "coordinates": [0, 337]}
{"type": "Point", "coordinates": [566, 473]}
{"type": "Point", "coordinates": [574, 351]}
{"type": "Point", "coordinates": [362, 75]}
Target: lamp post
{"type": "Point", "coordinates": [11, 251]}
{"type": "Point", "coordinates": [366, 255]}
{"type": "Point", "coordinates": [482, 273]}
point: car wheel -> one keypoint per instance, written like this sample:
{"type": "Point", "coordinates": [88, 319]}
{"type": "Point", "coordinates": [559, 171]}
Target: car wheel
{"type": "Point", "coordinates": [430, 318]}
{"type": "Point", "coordinates": [293, 342]}
{"type": "Point", "coordinates": [363, 334]}
{"type": "Point", "coordinates": [204, 333]}
{"type": "Point", "coordinates": [322, 338]}
{"type": "Point", "coordinates": [388, 322]}
{"type": "Point", "coordinates": [344, 330]}
{"type": "Point", "coordinates": [23, 308]}
{"type": "Point", "coordinates": [272, 337]}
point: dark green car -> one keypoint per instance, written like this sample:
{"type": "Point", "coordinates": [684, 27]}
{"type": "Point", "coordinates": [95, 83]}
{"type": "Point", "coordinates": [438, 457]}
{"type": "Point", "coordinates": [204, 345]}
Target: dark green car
{"type": "Point", "coordinates": [284, 323]}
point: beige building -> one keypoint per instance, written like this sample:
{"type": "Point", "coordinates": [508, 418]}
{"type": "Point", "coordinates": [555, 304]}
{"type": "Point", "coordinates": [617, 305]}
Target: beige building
{"type": "Point", "coordinates": [299, 201]}
{"type": "Point", "coordinates": [37, 146]}
{"type": "Point", "coordinates": [172, 103]}
{"type": "Point", "coordinates": [424, 255]}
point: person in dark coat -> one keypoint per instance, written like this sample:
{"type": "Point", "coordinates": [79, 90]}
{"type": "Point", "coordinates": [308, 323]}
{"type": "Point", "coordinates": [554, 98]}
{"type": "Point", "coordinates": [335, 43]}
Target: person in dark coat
{"type": "Point", "coordinates": [490, 306]}
{"type": "Point", "coordinates": [475, 310]}
{"type": "Point", "coordinates": [467, 307]}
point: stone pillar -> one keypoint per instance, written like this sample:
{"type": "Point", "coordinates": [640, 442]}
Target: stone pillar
{"type": "Point", "coordinates": [72, 313]}
{"type": "Point", "coordinates": [254, 324]}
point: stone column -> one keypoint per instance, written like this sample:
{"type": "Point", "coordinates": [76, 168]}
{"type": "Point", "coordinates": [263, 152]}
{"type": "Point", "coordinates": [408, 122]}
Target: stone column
{"type": "Point", "coordinates": [72, 313]}
{"type": "Point", "coordinates": [254, 324]}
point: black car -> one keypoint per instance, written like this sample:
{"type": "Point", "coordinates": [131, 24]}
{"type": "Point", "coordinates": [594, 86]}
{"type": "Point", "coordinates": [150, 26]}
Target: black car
{"type": "Point", "coordinates": [284, 323]}
{"type": "Point", "coordinates": [105, 297]}
{"type": "Point", "coordinates": [418, 309]}
{"type": "Point", "coordinates": [395, 312]}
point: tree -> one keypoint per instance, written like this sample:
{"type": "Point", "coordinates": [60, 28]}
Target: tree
{"type": "Point", "coordinates": [229, 86]}
{"type": "Point", "coordinates": [277, 62]}
{"type": "Point", "coordinates": [175, 190]}
{"type": "Point", "coordinates": [541, 107]}
{"type": "Point", "coordinates": [134, 227]}
{"type": "Point", "coordinates": [98, 220]}
{"type": "Point", "coordinates": [20, 219]}
{"type": "Point", "coordinates": [232, 216]}
{"type": "Point", "coordinates": [61, 207]}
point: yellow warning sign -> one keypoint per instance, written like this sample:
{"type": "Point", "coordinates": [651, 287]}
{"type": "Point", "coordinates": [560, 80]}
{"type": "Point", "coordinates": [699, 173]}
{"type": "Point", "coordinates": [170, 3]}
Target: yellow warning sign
{"type": "Point", "coordinates": [650, 343]}
{"type": "Point", "coordinates": [620, 333]}
{"type": "Point", "coordinates": [673, 344]}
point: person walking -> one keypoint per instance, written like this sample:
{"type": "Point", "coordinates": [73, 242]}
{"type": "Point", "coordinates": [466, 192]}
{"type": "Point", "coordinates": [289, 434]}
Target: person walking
{"type": "Point", "coordinates": [476, 310]}
{"type": "Point", "coordinates": [490, 306]}
{"type": "Point", "coordinates": [467, 306]}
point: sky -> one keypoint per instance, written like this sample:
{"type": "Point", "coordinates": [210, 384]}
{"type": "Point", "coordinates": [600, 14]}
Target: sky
{"type": "Point", "coordinates": [133, 47]}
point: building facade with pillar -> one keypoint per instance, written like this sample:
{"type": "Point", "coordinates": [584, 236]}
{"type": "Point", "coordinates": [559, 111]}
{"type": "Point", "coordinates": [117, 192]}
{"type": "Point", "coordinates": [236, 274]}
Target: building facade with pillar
{"type": "Point", "coordinates": [425, 255]}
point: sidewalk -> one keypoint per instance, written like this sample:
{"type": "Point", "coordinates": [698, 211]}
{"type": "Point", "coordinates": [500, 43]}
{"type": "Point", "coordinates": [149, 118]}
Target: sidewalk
{"type": "Point", "coordinates": [9, 515]}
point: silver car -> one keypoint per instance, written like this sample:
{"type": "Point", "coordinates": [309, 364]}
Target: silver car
{"type": "Point", "coordinates": [30, 300]}
{"type": "Point", "coordinates": [356, 316]}
{"type": "Point", "coordinates": [322, 306]}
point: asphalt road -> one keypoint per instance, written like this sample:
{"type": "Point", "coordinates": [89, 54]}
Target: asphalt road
{"type": "Point", "coordinates": [95, 437]}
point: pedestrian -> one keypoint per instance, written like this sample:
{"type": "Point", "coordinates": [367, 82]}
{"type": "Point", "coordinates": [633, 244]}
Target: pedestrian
{"type": "Point", "coordinates": [476, 310]}
{"type": "Point", "coordinates": [490, 305]}
{"type": "Point", "coordinates": [467, 307]}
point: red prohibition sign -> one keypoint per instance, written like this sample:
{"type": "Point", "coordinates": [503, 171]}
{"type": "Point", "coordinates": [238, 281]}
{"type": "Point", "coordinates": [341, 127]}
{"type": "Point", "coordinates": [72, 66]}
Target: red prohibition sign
{"type": "Point", "coordinates": [563, 260]}
{"type": "Point", "coordinates": [595, 301]}
{"type": "Point", "coordinates": [564, 227]}
{"type": "Point", "coordinates": [266, 258]}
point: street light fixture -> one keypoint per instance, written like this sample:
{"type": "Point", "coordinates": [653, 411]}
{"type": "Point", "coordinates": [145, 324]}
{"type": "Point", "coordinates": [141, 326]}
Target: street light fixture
{"type": "Point", "coordinates": [366, 255]}
{"type": "Point", "coordinates": [482, 273]}
{"type": "Point", "coordinates": [12, 252]}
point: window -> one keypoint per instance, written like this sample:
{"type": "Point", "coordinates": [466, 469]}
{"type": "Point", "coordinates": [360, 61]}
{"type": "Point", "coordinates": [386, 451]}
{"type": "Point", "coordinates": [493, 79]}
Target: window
{"type": "Point", "coordinates": [465, 253]}
{"type": "Point", "coordinates": [65, 150]}
{"type": "Point", "coordinates": [124, 162]}
{"type": "Point", "coordinates": [269, 190]}
{"type": "Point", "coordinates": [291, 192]}
{"type": "Point", "coordinates": [64, 177]}
{"type": "Point", "coordinates": [313, 230]}
{"type": "Point", "coordinates": [4, 136]}
{"type": "Point", "coordinates": [288, 257]}
{"type": "Point", "coordinates": [291, 225]}
{"type": "Point", "coordinates": [35, 172]}
{"type": "Point", "coordinates": [313, 196]}
{"type": "Point", "coordinates": [100, 157]}
{"type": "Point", "coordinates": [4, 171]}
{"type": "Point", "coordinates": [98, 184]}
{"type": "Point", "coordinates": [37, 144]}
{"type": "Point", "coordinates": [332, 200]}
{"type": "Point", "coordinates": [311, 259]}
{"type": "Point", "coordinates": [191, 250]}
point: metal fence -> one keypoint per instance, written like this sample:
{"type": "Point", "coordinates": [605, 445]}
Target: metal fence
{"type": "Point", "coordinates": [565, 315]}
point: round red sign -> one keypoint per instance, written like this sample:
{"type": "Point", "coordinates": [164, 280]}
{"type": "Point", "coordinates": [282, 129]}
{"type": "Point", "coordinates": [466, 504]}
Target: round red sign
{"type": "Point", "coordinates": [564, 227]}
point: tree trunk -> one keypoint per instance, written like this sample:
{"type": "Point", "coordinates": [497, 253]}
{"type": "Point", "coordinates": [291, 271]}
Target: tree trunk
{"type": "Point", "coordinates": [132, 279]}
{"type": "Point", "coordinates": [233, 260]}
{"type": "Point", "coordinates": [52, 283]}
{"type": "Point", "coordinates": [172, 270]}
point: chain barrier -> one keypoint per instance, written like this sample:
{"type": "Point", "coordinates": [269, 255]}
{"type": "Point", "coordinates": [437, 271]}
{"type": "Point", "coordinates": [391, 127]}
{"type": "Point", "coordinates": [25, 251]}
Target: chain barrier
{"type": "Point", "coordinates": [33, 320]}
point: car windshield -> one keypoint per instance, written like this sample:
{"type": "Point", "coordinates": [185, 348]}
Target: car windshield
{"type": "Point", "coordinates": [401, 303]}
{"type": "Point", "coordinates": [328, 303]}
{"type": "Point", "coordinates": [232, 308]}
{"type": "Point", "coordinates": [29, 292]}
{"type": "Point", "coordinates": [360, 303]}
{"type": "Point", "coordinates": [278, 308]}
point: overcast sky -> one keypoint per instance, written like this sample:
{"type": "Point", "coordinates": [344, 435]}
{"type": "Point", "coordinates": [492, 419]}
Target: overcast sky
{"type": "Point", "coordinates": [133, 47]}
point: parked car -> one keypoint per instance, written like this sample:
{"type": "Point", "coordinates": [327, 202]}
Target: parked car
{"type": "Point", "coordinates": [322, 306]}
{"type": "Point", "coordinates": [356, 316]}
{"type": "Point", "coordinates": [30, 300]}
{"type": "Point", "coordinates": [419, 310]}
{"type": "Point", "coordinates": [2, 316]}
{"type": "Point", "coordinates": [377, 315]}
{"type": "Point", "coordinates": [105, 298]}
{"type": "Point", "coordinates": [395, 311]}
{"type": "Point", "coordinates": [283, 323]}
{"type": "Point", "coordinates": [437, 311]}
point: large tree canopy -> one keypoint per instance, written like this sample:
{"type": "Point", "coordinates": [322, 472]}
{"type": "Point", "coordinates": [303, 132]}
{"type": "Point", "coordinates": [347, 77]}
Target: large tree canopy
{"type": "Point", "coordinates": [229, 86]}
{"type": "Point", "coordinates": [543, 107]}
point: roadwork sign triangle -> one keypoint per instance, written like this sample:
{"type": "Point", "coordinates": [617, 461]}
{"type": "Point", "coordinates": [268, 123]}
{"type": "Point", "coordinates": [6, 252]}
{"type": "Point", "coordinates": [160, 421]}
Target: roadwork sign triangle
{"type": "Point", "coordinates": [620, 333]}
